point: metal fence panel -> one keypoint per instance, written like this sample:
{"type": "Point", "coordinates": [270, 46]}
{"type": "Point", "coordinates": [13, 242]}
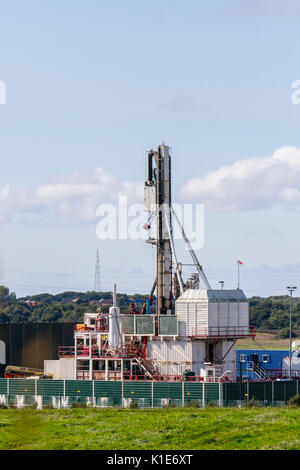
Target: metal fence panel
{"type": "Point", "coordinates": [193, 394]}
{"type": "Point", "coordinates": [139, 393]}
{"type": "Point", "coordinates": [50, 387]}
{"type": "Point", "coordinates": [109, 391]}
{"type": "Point", "coordinates": [79, 388]}
{"type": "Point", "coordinates": [3, 387]}
{"type": "Point", "coordinates": [212, 393]}
{"type": "Point", "coordinates": [128, 324]}
{"type": "Point", "coordinates": [22, 387]}
{"type": "Point", "coordinates": [167, 325]}
{"type": "Point", "coordinates": [145, 324]}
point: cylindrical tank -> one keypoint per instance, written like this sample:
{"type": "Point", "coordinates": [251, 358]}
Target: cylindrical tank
{"type": "Point", "coordinates": [115, 331]}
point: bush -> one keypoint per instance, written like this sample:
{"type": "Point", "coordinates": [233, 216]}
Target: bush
{"type": "Point", "coordinates": [191, 404]}
{"type": "Point", "coordinates": [77, 404]}
{"type": "Point", "coordinates": [253, 403]}
{"type": "Point", "coordinates": [48, 406]}
{"type": "Point", "coordinates": [294, 401]}
{"type": "Point", "coordinates": [211, 404]}
{"type": "Point", "coordinates": [285, 333]}
{"type": "Point", "coordinates": [133, 405]}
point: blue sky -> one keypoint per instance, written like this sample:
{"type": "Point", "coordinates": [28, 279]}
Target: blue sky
{"type": "Point", "coordinates": [95, 84]}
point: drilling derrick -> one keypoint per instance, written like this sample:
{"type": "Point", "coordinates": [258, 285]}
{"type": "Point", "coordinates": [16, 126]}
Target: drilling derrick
{"type": "Point", "coordinates": [158, 204]}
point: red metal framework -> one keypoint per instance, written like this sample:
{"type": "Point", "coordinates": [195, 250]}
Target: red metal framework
{"type": "Point", "coordinates": [125, 352]}
{"type": "Point", "coordinates": [224, 332]}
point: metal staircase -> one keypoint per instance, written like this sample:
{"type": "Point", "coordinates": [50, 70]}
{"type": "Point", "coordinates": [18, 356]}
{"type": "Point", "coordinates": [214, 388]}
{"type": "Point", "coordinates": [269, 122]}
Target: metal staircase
{"type": "Point", "coordinates": [259, 370]}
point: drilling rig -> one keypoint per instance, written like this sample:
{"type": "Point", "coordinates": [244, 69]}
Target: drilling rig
{"type": "Point", "coordinates": [194, 328]}
{"type": "Point", "coordinates": [158, 204]}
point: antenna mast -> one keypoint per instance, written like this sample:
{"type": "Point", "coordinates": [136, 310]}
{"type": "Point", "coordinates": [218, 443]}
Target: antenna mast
{"type": "Point", "coordinates": [97, 285]}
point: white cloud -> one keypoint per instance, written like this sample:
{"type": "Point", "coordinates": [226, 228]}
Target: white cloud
{"type": "Point", "coordinates": [252, 183]}
{"type": "Point", "coordinates": [74, 196]}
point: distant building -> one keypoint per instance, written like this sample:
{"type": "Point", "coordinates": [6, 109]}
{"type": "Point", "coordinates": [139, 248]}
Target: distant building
{"type": "Point", "coordinates": [30, 303]}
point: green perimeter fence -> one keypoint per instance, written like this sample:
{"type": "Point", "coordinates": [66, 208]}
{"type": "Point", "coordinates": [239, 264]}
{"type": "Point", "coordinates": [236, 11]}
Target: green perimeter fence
{"type": "Point", "coordinates": [40, 393]}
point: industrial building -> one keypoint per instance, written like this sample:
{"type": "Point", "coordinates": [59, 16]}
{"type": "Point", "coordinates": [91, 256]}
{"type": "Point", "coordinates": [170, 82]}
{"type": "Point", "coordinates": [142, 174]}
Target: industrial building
{"type": "Point", "coordinates": [29, 344]}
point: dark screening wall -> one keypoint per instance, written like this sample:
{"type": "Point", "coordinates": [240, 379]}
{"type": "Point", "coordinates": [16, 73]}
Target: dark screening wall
{"type": "Point", "coordinates": [29, 344]}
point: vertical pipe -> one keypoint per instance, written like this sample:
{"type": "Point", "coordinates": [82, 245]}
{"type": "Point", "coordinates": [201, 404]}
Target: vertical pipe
{"type": "Point", "coordinates": [115, 296]}
{"type": "Point", "coordinates": [150, 167]}
{"type": "Point", "coordinates": [290, 336]}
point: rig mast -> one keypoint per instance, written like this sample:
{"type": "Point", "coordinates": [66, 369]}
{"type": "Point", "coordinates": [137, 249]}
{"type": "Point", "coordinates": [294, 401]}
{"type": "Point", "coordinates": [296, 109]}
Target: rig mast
{"type": "Point", "coordinates": [158, 203]}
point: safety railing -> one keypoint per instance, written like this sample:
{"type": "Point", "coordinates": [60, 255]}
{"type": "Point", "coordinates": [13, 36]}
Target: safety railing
{"type": "Point", "coordinates": [224, 332]}
{"type": "Point", "coordinates": [128, 377]}
{"type": "Point", "coordinates": [125, 352]}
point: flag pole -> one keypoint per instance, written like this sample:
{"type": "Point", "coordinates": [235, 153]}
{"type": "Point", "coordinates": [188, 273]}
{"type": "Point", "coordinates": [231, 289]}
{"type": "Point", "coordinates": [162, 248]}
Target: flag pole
{"type": "Point", "coordinates": [238, 263]}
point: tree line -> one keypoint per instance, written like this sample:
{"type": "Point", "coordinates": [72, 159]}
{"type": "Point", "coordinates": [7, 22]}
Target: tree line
{"type": "Point", "coordinates": [271, 313]}
{"type": "Point", "coordinates": [64, 307]}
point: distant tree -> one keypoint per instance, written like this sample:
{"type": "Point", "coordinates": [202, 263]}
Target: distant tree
{"type": "Point", "coordinates": [285, 333]}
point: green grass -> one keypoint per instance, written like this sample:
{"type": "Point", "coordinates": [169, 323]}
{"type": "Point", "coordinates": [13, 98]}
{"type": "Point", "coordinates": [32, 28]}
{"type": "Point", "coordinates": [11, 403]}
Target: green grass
{"type": "Point", "coordinates": [170, 429]}
{"type": "Point", "coordinates": [265, 340]}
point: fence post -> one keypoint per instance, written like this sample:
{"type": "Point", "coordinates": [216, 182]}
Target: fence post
{"type": "Point", "coordinates": [221, 404]}
{"type": "Point", "coordinates": [93, 388]}
{"type": "Point", "coordinates": [122, 393]}
{"type": "Point", "coordinates": [182, 394]}
{"type": "Point", "coordinates": [7, 388]}
{"type": "Point", "coordinates": [152, 394]}
{"type": "Point", "coordinates": [203, 394]}
{"type": "Point", "coordinates": [64, 390]}
{"type": "Point", "coordinates": [272, 392]}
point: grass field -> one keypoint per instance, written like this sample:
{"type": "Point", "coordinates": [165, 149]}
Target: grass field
{"type": "Point", "coordinates": [265, 340]}
{"type": "Point", "coordinates": [164, 429]}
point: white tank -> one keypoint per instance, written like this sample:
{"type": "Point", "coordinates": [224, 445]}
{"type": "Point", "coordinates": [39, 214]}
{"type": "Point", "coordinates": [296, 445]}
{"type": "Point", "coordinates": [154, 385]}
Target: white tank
{"type": "Point", "coordinates": [115, 328]}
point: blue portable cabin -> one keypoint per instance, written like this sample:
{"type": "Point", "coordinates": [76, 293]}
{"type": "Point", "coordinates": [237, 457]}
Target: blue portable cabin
{"type": "Point", "coordinates": [259, 364]}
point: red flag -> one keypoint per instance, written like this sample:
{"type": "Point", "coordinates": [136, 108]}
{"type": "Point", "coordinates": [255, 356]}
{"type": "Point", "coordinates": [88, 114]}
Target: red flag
{"type": "Point", "coordinates": [239, 262]}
